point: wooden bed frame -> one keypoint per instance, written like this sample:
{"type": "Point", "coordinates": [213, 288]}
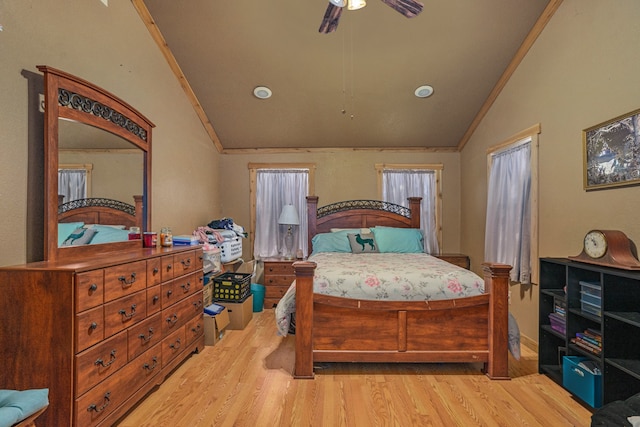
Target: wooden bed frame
{"type": "Point", "coordinates": [335, 329]}
{"type": "Point", "coordinates": [100, 211]}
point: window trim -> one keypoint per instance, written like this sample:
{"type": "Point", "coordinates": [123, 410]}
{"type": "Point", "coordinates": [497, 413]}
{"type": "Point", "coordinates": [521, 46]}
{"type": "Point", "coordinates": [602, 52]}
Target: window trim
{"type": "Point", "coordinates": [532, 133]}
{"type": "Point", "coordinates": [437, 168]}
{"type": "Point", "coordinates": [253, 179]}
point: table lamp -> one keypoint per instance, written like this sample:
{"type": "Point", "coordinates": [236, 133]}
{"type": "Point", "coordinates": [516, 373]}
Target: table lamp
{"type": "Point", "coordinates": [289, 217]}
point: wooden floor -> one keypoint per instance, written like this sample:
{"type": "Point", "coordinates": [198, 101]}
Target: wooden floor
{"type": "Point", "coordinates": [245, 380]}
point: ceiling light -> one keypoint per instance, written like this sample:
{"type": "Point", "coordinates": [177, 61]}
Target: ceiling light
{"type": "Point", "coordinates": [356, 4]}
{"type": "Point", "coordinates": [262, 92]}
{"type": "Point", "coordinates": [424, 91]}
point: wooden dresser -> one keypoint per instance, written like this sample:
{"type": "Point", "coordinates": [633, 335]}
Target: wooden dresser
{"type": "Point", "coordinates": [458, 259]}
{"type": "Point", "coordinates": [278, 276]}
{"type": "Point", "coordinates": [101, 332]}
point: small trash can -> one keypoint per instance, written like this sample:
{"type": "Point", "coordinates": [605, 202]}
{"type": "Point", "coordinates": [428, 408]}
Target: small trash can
{"type": "Point", "coordinates": [257, 291]}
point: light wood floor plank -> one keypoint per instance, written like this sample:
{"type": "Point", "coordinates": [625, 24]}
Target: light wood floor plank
{"type": "Point", "coordinates": [245, 380]}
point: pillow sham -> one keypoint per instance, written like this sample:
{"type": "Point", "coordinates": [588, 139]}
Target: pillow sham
{"type": "Point", "coordinates": [331, 242]}
{"type": "Point", "coordinates": [107, 234]}
{"type": "Point", "coordinates": [66, 228]}
{"type": "Point", "coordinates": [398, 240]}
{"type": "Point", "coordinates": [80, 236]}
{"type": "Point", "coordinates": [362, 243]}
{"type": "Point", "coordinates": [352, 230]}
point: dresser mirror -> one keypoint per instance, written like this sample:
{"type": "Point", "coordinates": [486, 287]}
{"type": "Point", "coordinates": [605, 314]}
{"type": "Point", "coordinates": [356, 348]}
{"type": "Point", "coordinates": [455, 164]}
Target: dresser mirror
{"type": "Point", "coordinates": [88, 129]}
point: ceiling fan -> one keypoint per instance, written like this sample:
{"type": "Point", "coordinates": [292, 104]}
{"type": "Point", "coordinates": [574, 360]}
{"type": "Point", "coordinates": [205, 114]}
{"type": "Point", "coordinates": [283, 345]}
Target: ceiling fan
{"type": "Point", "coordinates": [408, 8]}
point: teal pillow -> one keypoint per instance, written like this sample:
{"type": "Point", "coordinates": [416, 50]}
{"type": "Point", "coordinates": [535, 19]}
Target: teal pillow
{"type": "Point", "coordinates": [17, 405]}
{"type": "Point", "coordinates": [331, 242]}
{"type": "Point", "coordinates": [106, 234]}
{"type": "Point", "coordinates": [80, 236]}
{"type": "Point", "coordinates": [398, 240]}
{"type": "Point", "coordinates": [65, 229]}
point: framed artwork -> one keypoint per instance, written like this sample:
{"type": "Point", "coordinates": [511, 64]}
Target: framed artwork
{"type": "Point", "coordinates": [612, 153]}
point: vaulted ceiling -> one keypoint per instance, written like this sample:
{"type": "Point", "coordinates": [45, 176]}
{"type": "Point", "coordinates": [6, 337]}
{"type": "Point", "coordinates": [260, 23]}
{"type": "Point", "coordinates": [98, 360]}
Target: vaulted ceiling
{"type": "Point", "coordinates": [353, 88]}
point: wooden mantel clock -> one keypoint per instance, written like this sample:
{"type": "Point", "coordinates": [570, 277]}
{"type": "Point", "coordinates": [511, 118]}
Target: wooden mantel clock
{"type": "Point", "coordinates": [610, 248]}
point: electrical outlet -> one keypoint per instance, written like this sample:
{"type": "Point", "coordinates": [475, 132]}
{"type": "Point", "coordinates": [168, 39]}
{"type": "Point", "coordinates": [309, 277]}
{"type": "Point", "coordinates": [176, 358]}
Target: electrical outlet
{"type": "Point", "coordinates": [509, 297]}
{"type": "Point", "coordinates": [41, 102]}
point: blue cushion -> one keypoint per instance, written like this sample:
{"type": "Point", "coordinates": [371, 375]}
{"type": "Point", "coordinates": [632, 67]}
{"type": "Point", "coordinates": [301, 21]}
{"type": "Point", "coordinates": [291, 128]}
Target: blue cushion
{"type": "Point", "coordinates": [106, 234]}
{"type": "Point", "coordinates": [80, 236]}
{"type": "Point", "coordinates": [17, 405]}
{"type": "Point", "coordinates": [331, 242]}
{"type": "Point", "coordinates": [398, 240]}
{"type": "Point", "coordinates": [65, 229]}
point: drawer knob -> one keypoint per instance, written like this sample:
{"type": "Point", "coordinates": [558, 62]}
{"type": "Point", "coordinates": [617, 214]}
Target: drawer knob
{"type": "Point", "coordinates": [95, 408]}
{"type": "Point", "coordinates": [169, 267]}
{"type": "Point", "coordinates": [93, 326]}
{"type": "Point", "coordinates": [112, 358]}
{"type": "Point", "coordinates": [155, 299]}
{"type": "Point", "coordinates": [176, 345]}
{"type": "Point", "coordinates": [146, 339]}
{"type": "Point", "coordinates": [151, 367]}
{"type": "Point", "coordinates": [197, 304]}
{"type": "Point", "coordinates": [186, 263]}
{"type": "Point", "coordinates": [155, 270]}
{"type": "Point", "coordinates": [172, 319]}
{"type": "Point", "coordinates": [186, 287]}
{"type": "Point", "coordinates": [129, 281]}
{"type": "Point", "coordinates": [196, 329]}
{"type": "Point", "coordinates": [130, 315]}
{"type": "Point", "coordinates": [93, 287]}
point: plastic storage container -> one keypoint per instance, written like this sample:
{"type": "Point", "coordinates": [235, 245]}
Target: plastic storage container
{"type": "Point", "coordinates": [231, 287]}
{"type": "Point", "coordinates": [257, 291]}
{"type": "Point", "coordinates": [580, 382]}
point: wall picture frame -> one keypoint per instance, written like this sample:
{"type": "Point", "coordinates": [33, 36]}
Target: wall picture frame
{"type": "Point", "coordinates": [612, 153]}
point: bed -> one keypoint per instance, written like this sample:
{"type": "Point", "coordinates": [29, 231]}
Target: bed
{"type": "Point", "coordinates": [85, 224]}
{"type": "Point", "coordinates": [340, 329]}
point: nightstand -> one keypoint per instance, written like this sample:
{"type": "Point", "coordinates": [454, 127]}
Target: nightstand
{"type": "Point", "coordinates": [278, 276]}
{"type": "Point", "coordinates": [458, 259]}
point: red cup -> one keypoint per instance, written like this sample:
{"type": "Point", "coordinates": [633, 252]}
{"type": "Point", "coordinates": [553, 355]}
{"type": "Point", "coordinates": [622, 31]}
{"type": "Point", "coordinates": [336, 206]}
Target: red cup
{"type": "Point", "coordinates": [150, 239]}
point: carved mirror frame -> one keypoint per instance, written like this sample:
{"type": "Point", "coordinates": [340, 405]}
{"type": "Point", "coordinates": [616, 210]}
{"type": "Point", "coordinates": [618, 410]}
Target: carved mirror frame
{"type": "Point", "coordinates": [70, 97]}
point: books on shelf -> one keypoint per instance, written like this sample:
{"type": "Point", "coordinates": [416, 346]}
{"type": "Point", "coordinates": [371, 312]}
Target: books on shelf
{"type": "Point", "coordinates": [589, 340]}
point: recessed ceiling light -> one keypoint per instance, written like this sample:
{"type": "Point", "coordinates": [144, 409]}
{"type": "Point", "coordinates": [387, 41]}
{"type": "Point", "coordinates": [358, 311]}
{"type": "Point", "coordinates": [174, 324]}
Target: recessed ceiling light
{"type": "Point", "coordinates": [424, 91]}
{"type": "Point", "coordinates": [262, 92]}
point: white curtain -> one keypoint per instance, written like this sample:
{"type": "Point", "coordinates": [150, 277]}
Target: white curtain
{"type": "Point", "coordinates": [72, 184]}
{"type": "Point", "coordinates": [274, 189]}
{"type": "Point", "coordinates": [399, 184]}
{"type": "Point", "coordinates": [508, 227]}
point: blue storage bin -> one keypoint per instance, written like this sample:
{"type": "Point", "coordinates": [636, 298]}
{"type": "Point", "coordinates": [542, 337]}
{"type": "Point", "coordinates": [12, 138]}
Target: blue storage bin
{"type": "Point", "coordinates": [580, 382]}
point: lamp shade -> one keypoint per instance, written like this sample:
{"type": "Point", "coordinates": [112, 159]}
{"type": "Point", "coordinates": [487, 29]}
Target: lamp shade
{"type": "Point", "coordinates": [356, 4]}
{"type": "Point", "coordinates": [289, 215]}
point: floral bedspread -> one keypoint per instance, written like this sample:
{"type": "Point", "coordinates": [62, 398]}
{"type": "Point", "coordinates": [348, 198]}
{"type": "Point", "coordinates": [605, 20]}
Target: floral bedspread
{"type": "Point", "coordinates": [383, 276]}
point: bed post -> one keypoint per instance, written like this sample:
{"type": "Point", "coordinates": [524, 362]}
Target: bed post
{"type": "Point", "coordinates": [496, 282]}
{"type": "Point", "coordinates": [414, 206]}
{"type": "Point", "coordinates": [312, 215]}
{"type": "Point", "coordinates": [304, 319]}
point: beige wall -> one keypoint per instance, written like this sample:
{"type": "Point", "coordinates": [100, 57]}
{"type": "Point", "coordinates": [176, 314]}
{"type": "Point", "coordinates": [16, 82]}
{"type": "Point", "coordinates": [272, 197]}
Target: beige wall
{"type": "Point", "coordinates": [342, 175]}
{"type": "Point", "coordinates": [111, 47]}
{"type": "Point", "coordinates": [583, 70]}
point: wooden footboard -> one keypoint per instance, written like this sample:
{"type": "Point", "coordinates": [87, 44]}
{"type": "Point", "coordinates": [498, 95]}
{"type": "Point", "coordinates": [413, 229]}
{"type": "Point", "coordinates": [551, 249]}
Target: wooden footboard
{"type": "Point", "coordinates": [333, 329]}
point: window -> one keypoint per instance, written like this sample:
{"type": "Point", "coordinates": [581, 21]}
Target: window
{"type": "Point", "coordinates": [398, 182]}
{"type": "Point", "coordinates": [272, 187]}
{"type": "Point", "coordinates": [74, 182]}
{"type": "Point", "coordinates": [511, 224]}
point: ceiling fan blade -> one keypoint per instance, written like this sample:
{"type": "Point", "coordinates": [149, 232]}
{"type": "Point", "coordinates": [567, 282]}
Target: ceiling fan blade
{"type": "Point", "coordinates": [330, 21]}
{"type": "Point", "coordinates": [408, 8]}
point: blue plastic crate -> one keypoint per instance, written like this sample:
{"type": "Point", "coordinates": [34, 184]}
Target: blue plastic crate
{"type": "Point", "coordinates": [580, 382]}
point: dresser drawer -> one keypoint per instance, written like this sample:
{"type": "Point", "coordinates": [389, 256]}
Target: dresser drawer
{"type": "Point", "coordinates": [124, 279]}
{"type": "Point", "coordinates": [89, 289]}
{"type": "Point", "coordinates": [184, 263]}
{"type": "Point", "coordinates": [194, 328]}
{"type": "Point", "coordinates": [278, 280]}
{"type": "Point", "coordinates": [154, 299]}
{"type": "Point", "coordinates": [167, 268]}
{"type": "Point", "coordinates": [124, 312]}
{"type": "Point", "coordinates": [100, 361]}
{"type": "Point", "coordinates": [90, 328]}
{"type": "Point", "coordinates": [275, 291]}
{"type": "Point", "coordinates": [173, 345]}
{"type": "Point", "coordinates": [199, 256]}
{"type": "Point", "coordinates": [154, 273]}
{"type": "Point", "coordinates": [95, 405]}
{"type": "Point", "coordinates": [279, 268]}
{"type": "Point", "coordinates": [178, 314]}
{"type": "Point", "coordinates": [179, 288]}
{"type": "Point", "coordinates": [144, 335]}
